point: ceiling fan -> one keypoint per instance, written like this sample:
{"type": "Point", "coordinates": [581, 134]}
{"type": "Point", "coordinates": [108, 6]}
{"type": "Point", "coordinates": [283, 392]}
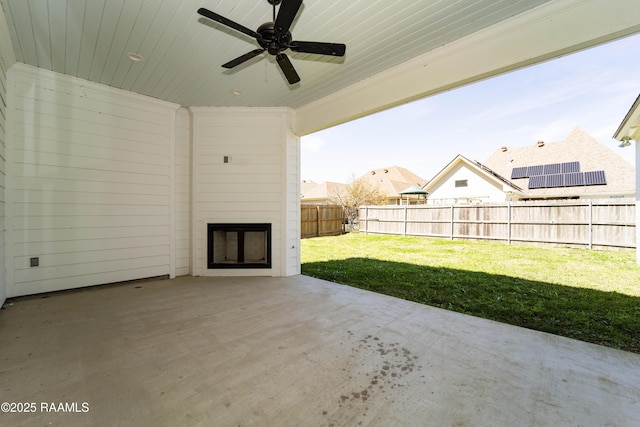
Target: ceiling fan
{"type": "Point", "coordinates": [275, 38]}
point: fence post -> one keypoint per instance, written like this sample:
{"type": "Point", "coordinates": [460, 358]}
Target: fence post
{"type": "Point", "coordinates": [405, 221]}
{"type": "Point", "coordinates": [590, 224]}
{"type": "Point", "coordinates": [452, 207]}
{"type": "Point", "coordinates": [509, 223]}
{"type": "Point", "coordinates": [366, 220]}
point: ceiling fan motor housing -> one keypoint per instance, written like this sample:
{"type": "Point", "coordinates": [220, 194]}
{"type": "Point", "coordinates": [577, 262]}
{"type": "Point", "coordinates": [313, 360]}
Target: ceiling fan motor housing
{"type": "Point", "coordinates": [269, 40]}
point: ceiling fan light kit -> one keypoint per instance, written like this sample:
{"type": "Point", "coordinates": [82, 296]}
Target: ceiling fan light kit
{"type": "Point", "coordinates": [275, 37]}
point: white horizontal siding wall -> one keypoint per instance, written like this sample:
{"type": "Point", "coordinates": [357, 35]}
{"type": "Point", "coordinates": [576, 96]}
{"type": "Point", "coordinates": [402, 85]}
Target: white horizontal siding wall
{"type": "Point", "coordinates": [183, 193]}
{"type": "Point", "coordinates": [91, 192]}
{"type": "Point", "coordinates": [478, 188]}
{"type": "Point", "coordinates": [6, 60]}
{"type": "Point", "coordinates": [254, 187]}
{"type": "Point", "coordinates": [3, 124]}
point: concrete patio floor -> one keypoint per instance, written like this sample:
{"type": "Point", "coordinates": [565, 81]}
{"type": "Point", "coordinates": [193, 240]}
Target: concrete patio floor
{"type": "Point", "coordinates": [294, 351]}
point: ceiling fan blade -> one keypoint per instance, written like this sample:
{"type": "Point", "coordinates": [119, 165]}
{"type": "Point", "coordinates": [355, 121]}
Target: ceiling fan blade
{"type": "Point", "coordinates": [286, 14]}
{"type": "Point", "coordinates": [335, 49]}
{"type": "Point", "coordinates": [239, 60]}
{"type": "Point", "coordinates": [229, 23]}
{"type": "Point", "coordinates": [287, 68]}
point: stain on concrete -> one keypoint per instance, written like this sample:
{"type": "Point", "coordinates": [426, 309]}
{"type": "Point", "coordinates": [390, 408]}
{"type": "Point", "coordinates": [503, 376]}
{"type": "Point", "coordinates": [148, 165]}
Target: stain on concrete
{"type": "Point", "coordinates": [374, 368]}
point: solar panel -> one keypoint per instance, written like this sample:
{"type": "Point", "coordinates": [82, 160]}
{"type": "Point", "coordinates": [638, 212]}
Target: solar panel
{"type": "Point", "coordinates": [595, 178]}
{"type": "Point", "coordinates": [535, 170]}
{"type": "Point", "coordinates": [553, 175]}
{"type": "Point", "coordinates": [552, 169]}
{"type": "Point", "coordinates": [570, 167]}
{"type": "Point", "coordinates": [556, 180]}
{"type": "Point", "coordinates": [520, 172]}
{"type": "Point", "coordinates": [573, 179]}
{"type": "Point", "coordinates": [537, 181]}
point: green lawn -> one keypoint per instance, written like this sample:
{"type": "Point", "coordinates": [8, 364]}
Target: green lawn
{"type": "Point", "coordinates": [592, 296]}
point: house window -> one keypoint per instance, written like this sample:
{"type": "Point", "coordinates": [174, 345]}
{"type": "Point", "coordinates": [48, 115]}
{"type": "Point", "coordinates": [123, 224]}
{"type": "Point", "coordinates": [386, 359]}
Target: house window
{"type": "Point", "coordinates": [462, 183]}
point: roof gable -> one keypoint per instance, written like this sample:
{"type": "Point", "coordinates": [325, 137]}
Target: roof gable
{"type": "Point", "coordinates": [629, 129]}
{"type": "Point", "coordinates": [480, 169]}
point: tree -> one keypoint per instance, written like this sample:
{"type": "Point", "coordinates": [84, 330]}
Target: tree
{"type": "Point", "coordinates": [358, 193]}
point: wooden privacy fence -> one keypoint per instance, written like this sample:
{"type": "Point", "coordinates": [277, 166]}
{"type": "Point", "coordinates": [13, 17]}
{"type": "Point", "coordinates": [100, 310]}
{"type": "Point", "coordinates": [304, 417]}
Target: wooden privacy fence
{"type": "Point", "coordinates": [596, 224]}
{"type": "Point", "coordinates": [320, 220]}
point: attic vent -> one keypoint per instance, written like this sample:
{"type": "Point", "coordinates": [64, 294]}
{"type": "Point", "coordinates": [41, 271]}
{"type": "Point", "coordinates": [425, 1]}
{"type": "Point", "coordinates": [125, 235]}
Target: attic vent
{"type": "Point", "coordinates": [540, 143]}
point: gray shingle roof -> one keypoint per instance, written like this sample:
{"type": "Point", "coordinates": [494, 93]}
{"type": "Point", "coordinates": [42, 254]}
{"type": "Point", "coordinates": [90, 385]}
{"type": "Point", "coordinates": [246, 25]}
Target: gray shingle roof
{"type": "Point", "coordinates": [322, 193]}
{"type": "Point", "coordinates": [578, 146]}
{"type": "Point", "coordinates": [393, 179]}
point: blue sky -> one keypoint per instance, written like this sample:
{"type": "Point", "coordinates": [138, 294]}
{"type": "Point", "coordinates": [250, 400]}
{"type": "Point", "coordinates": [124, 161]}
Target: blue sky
{"type": "Point", "coordinates": [592, 89]}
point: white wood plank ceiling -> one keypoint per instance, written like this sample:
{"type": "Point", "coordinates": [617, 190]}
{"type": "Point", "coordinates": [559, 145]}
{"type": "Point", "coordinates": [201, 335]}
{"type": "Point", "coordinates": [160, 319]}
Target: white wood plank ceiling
{"type": "Point", "coordinates": [184, 52]}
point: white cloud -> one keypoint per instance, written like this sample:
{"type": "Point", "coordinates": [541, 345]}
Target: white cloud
{"type": "Point", "coordinates": [311, 143]}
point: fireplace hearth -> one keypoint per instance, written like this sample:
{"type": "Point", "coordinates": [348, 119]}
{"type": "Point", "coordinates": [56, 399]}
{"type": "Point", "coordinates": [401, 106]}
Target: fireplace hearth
{"type": "Point", "coordinates": [238, 245]}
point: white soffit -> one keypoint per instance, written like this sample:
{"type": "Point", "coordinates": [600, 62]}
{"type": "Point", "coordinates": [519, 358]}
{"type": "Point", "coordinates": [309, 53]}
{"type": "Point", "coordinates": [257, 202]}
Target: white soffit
{"type": "Point", "coordinates": [183, 52]}
{"type": "Point", "coordinates": [397, 51]}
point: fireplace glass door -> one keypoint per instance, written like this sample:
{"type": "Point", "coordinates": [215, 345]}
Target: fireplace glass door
{"type": "Point", "coordinates": [239, 245]}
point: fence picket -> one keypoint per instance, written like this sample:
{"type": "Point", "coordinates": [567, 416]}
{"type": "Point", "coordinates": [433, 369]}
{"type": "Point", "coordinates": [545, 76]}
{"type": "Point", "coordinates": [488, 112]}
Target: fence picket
{"type": "Point", "coordinates": [320, 220]}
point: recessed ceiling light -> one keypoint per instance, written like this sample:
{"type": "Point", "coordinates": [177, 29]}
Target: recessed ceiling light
{"type": "Point", "coordinates": [136, 57]}
{"type": "Point", "coordinates": [236, 92]}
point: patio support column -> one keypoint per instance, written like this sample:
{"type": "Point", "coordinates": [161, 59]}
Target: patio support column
{"type": "Point", "coordinates": [637, 202]}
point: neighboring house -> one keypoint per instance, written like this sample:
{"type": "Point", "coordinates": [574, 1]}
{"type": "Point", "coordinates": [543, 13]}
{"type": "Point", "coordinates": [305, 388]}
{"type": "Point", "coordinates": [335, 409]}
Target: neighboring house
{"type": "Point", "coordinates": [467, 181]}
{"type": "Point", "coordinates": [323, 193]}
{"type": "Point", "coordinates": [392, 181]}
{"type": "Point", "coordinates": [578, 167]}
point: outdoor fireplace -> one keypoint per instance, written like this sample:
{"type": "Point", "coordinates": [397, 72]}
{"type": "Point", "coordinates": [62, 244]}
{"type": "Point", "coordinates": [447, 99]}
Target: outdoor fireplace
{"type": "Point", "coordinates": [238, 246]}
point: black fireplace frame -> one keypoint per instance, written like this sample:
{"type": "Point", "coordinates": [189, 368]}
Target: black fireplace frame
{"type": "Point", "coordinates": [240, 229]}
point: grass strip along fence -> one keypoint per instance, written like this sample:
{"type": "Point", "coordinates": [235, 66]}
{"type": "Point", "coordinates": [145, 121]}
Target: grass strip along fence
{"type": "Point", "coordinates": [592, 296]}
